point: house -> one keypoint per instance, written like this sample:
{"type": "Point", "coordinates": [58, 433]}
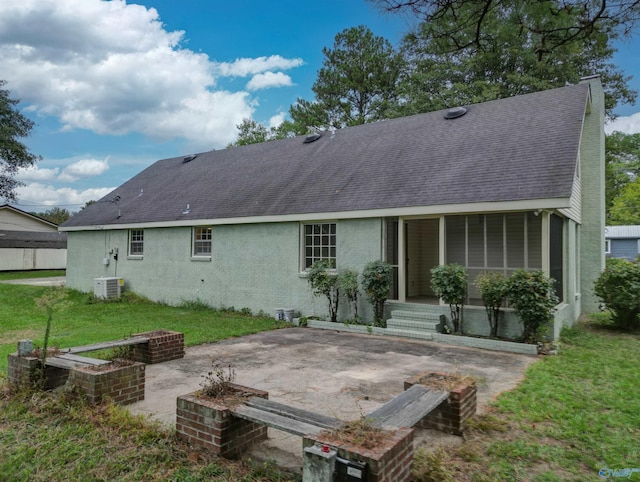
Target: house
{"type": "Point", "coordinates": [622, 242]}
{"type": "Point", "coordinates": [512, 183]}
{"type": "Point", "coordinates": [28, 242]}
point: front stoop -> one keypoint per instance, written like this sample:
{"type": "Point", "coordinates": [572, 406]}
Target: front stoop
{"type": "Point", "coordinates": [414, 324]}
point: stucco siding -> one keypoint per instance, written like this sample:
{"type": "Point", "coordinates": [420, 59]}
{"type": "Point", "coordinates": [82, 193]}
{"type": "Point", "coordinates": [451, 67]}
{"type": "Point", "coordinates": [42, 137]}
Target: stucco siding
{"type": "Point", "coordinates": [254, 266]}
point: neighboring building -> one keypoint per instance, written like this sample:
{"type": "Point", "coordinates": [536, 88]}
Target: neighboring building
{"type": "Point", "coordinates": [512, 183]}
{"type": "Point", "coordinates": [28, 242]}
{"type": "Point", "coordinates": [622, 242]}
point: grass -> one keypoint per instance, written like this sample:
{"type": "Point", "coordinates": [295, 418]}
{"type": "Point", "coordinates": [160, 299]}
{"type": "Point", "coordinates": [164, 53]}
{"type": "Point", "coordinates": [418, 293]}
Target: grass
{"type": "Point", "coordinates": [85, 321]}
{"type": "Point", "coordinates": [11, 275]}
{"type": "Point", "coordinates": [573, 414]}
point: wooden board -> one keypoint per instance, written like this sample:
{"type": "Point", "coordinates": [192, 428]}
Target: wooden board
{"type": "Point", "coordinates": [134, 340]}
{"type": "Point", "coordinates": [276, 421]}
{"type": "Point", "coordinates": [408, 408]}
{"type": "Point", "coordinates": [62, 363]}
{"type": "Point", "coordinates": [83, 359]}
{"type": "Point", "coordinates": [294, 413]}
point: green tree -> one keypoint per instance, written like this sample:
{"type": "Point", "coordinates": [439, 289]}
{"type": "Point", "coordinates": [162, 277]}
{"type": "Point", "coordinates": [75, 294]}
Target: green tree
{"type": "Point", "coordinates": [618, 286]}
{"type": "Point", "coordinates": [55, 215]}
{"type": "Point", "coordinates": [13, 153]}
{"type": "Point", "coordinates": [622, 157]}
{"type": "Point", "coordinates": [348, 283]}
{"type": "Point", "coordinates": [550, 25]}
{"type": "Point", "coordinates": [515, 52]}
{"type": "Point", "coordinates": [356, 84]}
{"type": "Point", "coordinates": [376, 283]}
{"type": "Point", "coordinates": [449, 282]}
{"type": "Point", "coordinates": [252, 132]}
{"type": "Point", "coordinates": [323, 280]}
{"type": "Point", "coordinates": [533, 299]}
{"type": "Point", "coordinates": [626, 206]}
{"type": "Point", "coordinates": [493, 288]}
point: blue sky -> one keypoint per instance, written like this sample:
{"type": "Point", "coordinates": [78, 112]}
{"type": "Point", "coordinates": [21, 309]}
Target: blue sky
{"type": "Point", "coordinates": [114, 86]}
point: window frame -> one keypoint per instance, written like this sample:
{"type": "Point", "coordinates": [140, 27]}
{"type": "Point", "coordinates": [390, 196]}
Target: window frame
{"type": "Point", "coordinates": [607, 246]}
{"type": "Point", "coordinates": [136, 238]}
{"type": "Point", "coordinates": [332, 248]}
{"type": "Point", "coordinates": [195, 241]}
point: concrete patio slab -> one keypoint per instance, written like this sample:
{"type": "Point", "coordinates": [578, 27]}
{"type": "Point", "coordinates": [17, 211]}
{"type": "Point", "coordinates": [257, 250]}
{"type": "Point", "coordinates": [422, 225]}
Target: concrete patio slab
{"type": "Point", "coordinates": [336, 374]}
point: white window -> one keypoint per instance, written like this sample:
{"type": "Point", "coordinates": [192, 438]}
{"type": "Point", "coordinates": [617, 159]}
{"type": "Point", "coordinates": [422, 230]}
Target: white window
{"type": "Point", "coordinates": [136, 242]}
{"type": "Point", "coordinates": [607, 246]}
{"type": "Point", "coordinates": [319, 243]}
{"type": "Point", "coordinates": [202, 237]}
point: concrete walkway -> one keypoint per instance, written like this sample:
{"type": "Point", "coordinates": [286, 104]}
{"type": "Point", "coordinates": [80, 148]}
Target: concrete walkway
{"type": "Point", "coordinates": [51, 281]}
{"type": "Point", "coordinates": [337, 374]}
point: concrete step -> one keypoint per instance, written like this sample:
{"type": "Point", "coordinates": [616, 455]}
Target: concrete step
{"type": "Point", "coordinates": [415, 325]}
{"type": "Point", "coordinates": [418, 335]}
{"type": "Point", "coordinates": [415, 315]}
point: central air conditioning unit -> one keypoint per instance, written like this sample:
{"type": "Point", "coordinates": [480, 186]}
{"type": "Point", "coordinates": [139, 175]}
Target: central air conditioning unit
{"type": "Point", "coordinates": [107, 288]}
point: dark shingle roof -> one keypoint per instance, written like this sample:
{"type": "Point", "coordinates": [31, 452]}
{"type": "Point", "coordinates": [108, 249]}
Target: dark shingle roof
{"type": "Point", "coordinates": [33, 239]}
{"type": "Point", "coordinates": [519, 148]}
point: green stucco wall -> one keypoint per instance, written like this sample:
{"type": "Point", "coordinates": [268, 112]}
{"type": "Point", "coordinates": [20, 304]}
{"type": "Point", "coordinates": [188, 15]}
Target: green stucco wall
{"type": "Point", "coordinates": [256, 266]}
{"type": "Point", "coordinates": [593, 211]}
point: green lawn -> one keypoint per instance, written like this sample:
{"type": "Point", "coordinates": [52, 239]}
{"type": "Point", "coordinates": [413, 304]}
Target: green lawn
{"type": "Point", "coordinates": [573, 415]}
{"type": "Point", "coordinates": [11, 275]}
{"type": "Point", "coordinates": [86, 321]}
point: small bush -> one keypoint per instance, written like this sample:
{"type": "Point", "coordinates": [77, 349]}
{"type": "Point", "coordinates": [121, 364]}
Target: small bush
{"type": "Point", "coordinates": [533, 300]}
{"type": "Point", "coordinates": [618, 286]}
{"type": "Point", "coordinates": [348, 283]}
{"type": "Point", "coordinates": [449, 282]}
{"type": "Point", "coordinates": [376, 283]}
{"type": "Point", "coordinates": [493, 290]}
{"type": "Point", "coordinates": [323, 281]}
{"type": "Point", "coordinates": [216, 382]}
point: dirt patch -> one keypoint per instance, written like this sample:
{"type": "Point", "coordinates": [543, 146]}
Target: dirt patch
{"type": "Point", "coordinates": [358, 433]}
{"type": "Point", "coordinates": [17, 335]}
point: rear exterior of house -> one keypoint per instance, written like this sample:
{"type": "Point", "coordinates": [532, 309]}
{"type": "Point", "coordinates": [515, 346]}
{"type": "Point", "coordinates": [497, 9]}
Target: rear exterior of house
{"type": "Point", "coordinates": [622, 242]}
{"type": "Point", "coordinates": [500, 188]}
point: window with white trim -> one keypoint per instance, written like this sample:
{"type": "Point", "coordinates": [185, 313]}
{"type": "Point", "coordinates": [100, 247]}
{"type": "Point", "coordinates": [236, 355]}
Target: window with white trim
{"type": "Point", "coordinates": [607, 246]}
{"type": "Point", "coordinates": [202, 240]}
{"type": "Point", "coordinates": [319, 243]}
{"type": "Point", "coordinates": [136, 242]}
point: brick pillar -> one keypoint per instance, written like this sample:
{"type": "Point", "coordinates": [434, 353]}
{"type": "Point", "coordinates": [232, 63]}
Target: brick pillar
{"type": "Point", "coordinates": [208, 423]}
{"type": "Point", "coordinates": [122, 384]}
{"type": "Point", "coordinates": [391, 461]}
{"type": "Point", "coordinates": [163, 346]}
{"type": "Point", "coordinates": [451, 415]}
{"type": "Point", "coordinates": [24, 369]}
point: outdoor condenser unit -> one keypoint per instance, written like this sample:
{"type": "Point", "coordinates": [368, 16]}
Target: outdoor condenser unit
{"type": "Point", "coordinates": [107, 288]}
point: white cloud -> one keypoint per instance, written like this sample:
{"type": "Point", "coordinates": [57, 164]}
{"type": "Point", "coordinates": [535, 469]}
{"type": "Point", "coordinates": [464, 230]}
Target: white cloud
{"type": "Point", "coordinates": [627, 125]}
{"type": "Point", "coordinates": [277, 119]}
{"type": "Point", "coordinates": [35, 174]}
{"type": "Point", "coordinates": [110, 67]}
{"type": "Point", "coordinates": [84, 169]}
{"type": "Point", "coordinates": [268, 80]}
{"type": "Point", "coordinates": [48, 195]}
{"type": "Point", "coordinates": [245, 67]}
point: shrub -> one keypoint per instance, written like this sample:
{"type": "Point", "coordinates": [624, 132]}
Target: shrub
{"type": "Point", "coordinates": [376, 283]}
{"type": "Point", "coordinates": [348, 283]}
{"type": "Point", "coordinates": [324, 282]}
{"type": "Point", "coordinates": [449, 282]}
{"type": "Point", "coordinates": [533, 299]}
{"type": "Point", "coordinates": [618, 286]}
{"type": "Point", "coordinates": [493, 290]}
{"type": "Point", "coordinates": [217, 382]}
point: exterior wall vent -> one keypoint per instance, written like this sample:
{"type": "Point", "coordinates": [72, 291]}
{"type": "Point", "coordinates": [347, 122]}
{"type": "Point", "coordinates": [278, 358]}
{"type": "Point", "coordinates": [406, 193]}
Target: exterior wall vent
{"type": "Point", "coordinates": [107, 288]}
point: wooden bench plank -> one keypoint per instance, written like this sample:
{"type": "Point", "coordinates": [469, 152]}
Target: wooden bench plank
{"type": "Point", "coordinates": [62, 363]}
{"type": "Point", "coordinates": [294, 413]}
{"type": "Point", "coordinates": [408, 408]}
{"type": "Point", "coordinates": [83, 359]}
{"type": "Point", "coordinates": [276, 421]}
{"type": "Point", "coordinates": [134, 340]}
